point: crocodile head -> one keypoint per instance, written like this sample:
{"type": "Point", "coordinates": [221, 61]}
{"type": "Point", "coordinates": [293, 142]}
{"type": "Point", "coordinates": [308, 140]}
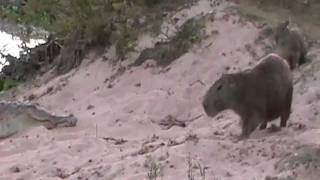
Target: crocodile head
{"type": "Point", "coordinates": [65, 121]}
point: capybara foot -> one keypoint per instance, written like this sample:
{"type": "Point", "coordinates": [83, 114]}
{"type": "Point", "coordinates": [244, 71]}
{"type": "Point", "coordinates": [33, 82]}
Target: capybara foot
{"type": "Point", "coordinates": [274, 128]}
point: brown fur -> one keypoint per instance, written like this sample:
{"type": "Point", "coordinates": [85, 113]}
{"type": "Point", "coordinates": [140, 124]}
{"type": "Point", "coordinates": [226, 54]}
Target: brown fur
{"type": "Point", "coordinates": [289, 45]}
{"type": "Point", "coordinates": [258, 95]}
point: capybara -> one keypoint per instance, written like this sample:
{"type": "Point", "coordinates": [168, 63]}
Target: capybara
{"type": "Point", "coordinates": [289, 45]}
{"type": "Point", "coordinates": [257, 95]}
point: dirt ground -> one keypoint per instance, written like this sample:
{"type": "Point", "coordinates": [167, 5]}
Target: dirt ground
{"type": "Point", "coordinates": [125, 129]}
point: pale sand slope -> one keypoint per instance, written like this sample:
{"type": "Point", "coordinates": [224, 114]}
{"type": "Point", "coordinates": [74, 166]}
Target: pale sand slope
{"type": "Point", "coordinates": [131, 112]}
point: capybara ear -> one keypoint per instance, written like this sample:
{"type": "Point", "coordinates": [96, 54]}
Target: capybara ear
{"type": "Point", "coordinates": [225, 75]}
{"type": "Point", "coordinates": [286, 22]}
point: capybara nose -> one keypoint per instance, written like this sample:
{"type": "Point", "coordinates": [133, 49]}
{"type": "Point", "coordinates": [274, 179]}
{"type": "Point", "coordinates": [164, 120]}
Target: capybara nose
{"type": "Point", "coordinates": [205, 106]}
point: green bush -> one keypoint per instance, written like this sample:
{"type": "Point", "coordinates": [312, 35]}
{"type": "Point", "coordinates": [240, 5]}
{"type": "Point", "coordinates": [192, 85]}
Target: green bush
{"type": "Point", "coordinates": [7, 83]}
{"type": "Point", "coordinates": [97, 22]}
{"type": "Point", "coordinates": [125, 41]}
{"type": "Point", "coordinates": [166, 52]}
{"type": "Point", "coordinates": [189, 33]}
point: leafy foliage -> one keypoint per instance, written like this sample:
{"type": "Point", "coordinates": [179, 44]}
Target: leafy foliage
{"type": "Point", "coordinates": [98, 22]}
{"type": "Point", "coordinates": [7, 83]}
{"type": "Point", "coordinates": [166, 52]}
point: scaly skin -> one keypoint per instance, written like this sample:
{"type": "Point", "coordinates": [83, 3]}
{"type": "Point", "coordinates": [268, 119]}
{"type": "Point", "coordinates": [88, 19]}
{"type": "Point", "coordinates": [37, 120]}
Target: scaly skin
{"type": "Point", "coordinates": [17, 116]}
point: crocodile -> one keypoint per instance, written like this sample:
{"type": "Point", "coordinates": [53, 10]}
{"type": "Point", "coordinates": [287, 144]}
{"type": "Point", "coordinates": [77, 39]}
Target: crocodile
{"type": "Point", "coordinates": [16, 116]}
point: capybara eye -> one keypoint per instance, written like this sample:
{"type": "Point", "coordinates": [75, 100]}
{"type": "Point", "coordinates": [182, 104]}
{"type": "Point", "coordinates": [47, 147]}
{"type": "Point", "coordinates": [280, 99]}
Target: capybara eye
{"type": "Point", "coordinates": [219, 87]}
{"type": "Point", "coordinates": [205, 106]}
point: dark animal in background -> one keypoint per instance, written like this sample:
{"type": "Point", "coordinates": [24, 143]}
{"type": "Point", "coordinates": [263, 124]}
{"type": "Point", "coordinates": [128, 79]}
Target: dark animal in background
{"type": "Point", "coordinates": [290, 45]}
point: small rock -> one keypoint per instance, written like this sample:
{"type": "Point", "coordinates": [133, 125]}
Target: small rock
{"type": "Point", "coordinates": [138, 85]}
{"type": "Point", "coordinates": [228, 174]}
{"type": "Point", "coordinates": [31, 97]}
{"type": "Point", "coordinates": [142, 20]}
{"type": "Point", "coordinates": [214, 32]}
{"type": "Point", "coordinates": [175, 20]}
{"type": "Point", "coordinates": [90, 107]}
{"type": "Point", "coordinates": [15, 169]}
{"type": "Point", "coordinates": [105, 58]}
{"type": "Point", "coordinates": [49, 90]}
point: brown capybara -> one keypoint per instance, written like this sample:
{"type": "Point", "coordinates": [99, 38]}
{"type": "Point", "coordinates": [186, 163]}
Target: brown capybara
{"type": "Point", "coordinates": [257, 95]}
{"type": "Point", "coordinates": [289, 45]}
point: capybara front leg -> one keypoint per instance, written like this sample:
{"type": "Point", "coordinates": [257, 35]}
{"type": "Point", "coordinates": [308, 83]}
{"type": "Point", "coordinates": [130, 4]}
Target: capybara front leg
{"type": "Point", "coordinates": [263, 125]}
{"type": "Point", "coordinates": [287, 110]}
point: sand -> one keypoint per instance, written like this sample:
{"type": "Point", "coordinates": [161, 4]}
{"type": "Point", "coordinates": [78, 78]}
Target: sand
{"type": "Point", "coordinates": [121, 125]}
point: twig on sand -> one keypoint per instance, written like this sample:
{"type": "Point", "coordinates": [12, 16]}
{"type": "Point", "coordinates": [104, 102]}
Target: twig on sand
{"type": "Point", "coordinates": [149, 148]}
{"type": "Point", "coordinates": [170, 121]}
{"type": "Point", "coordinates": [210, 44]}
{"type": "Point", "coordinates": [115, 141]}
{"type": "Point", "coordinates": [175, 142]}
{"type": "Point", "coordinates": [198, 81]}
{"type": "Point", "coordinates": [96, 130]}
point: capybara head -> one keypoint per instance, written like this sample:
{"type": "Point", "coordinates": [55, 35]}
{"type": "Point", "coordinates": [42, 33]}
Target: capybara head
{"type": "Point", "coordinates": [221, 95]}
{"type": "Point", "coordinates": [281, 30]}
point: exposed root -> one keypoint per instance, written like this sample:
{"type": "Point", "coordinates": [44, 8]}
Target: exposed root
{"type": "Point", "coordinates": [170, 121]}
{"type": "Point", "coordinates": [115, 141]}
{"type": "Point", "coordinates": [198, 81]}
{"type": "Point", "coordinates": [190, 137]}
{"type": "Point", "coordinates": [145, 149]}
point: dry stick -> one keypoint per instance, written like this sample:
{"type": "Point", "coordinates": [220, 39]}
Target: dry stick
{"type": "Point", "coordinates": [166, 33]}
{"type": "Point", "coordinates": [170, 121]}
{"type": "Point", "coordinates": [210, 44]}
{"type": "Point", "coordinates": [195, 118]}
{"type": "Point", "coordinates": [96, 130]}
{"type": "Point", "coordinates": [198, 81]}
{"type": "Point", "coordinates": [116, 141]}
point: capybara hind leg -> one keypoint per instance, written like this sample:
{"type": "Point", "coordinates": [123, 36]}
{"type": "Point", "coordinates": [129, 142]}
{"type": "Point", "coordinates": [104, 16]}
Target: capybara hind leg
{"type": "Point", "coordinates": [245, 129]}
{"type": "Point", "coordinates": [263, 125]}
{"type": "Point", "coordinates": [248, 127]}
{"type": "Point", "coordinates": [286, 113]}
{"type": "Point", "coordinates": [283, 122]}
{"type": "Point", "coordinates": [284, 118]}
{"type": "Point", "coordinates": [292, 64]}
{"type": "Point", "coordinates": [254, 123]}
{"type": "Point", "coordinates": [302, 60]}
